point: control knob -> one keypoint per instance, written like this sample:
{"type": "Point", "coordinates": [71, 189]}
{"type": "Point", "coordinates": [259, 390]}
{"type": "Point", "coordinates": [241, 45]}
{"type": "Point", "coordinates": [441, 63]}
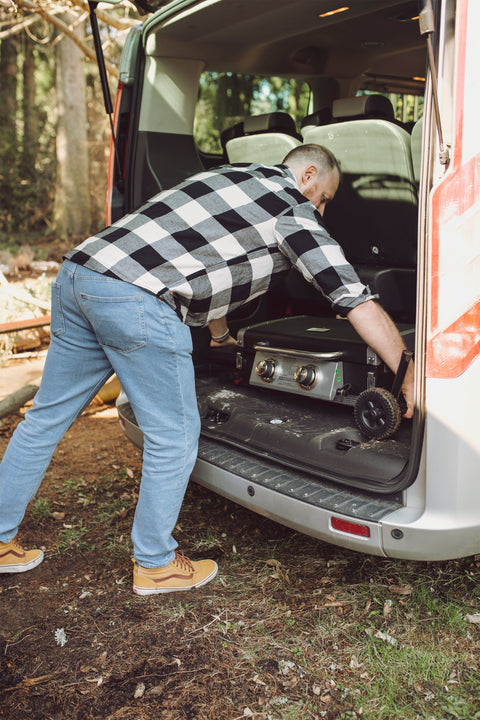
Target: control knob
{"type": "Point", "coordinates": [306, 376]}
{"type": "Point", "coordinates": [266, 369]}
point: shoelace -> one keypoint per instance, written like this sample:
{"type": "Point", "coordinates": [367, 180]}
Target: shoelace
{"type": "Point", "coordinates": [15, 545]}
{"type": "Point", "coordinates": [183, 562]}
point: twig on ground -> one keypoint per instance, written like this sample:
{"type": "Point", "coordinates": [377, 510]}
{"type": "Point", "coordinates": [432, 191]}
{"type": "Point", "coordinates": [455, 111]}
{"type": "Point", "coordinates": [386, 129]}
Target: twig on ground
{"type": "Point", "coordinates": [28, 682]}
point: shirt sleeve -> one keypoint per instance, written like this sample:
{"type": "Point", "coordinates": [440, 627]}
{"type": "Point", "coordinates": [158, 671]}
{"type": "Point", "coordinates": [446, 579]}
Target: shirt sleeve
{"type": "Point", "coordinates": [319, 258]}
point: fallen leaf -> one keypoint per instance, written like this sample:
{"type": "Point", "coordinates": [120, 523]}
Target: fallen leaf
{"type": "Point", "coordinates": [101, 658]}
{"type": "Point", "coordinates": [401, 589]}
{"type": "Point", "coordinates": [475, 618]}
{"type": "Point", "coordinates": [273, 563]}
{"type": "Point", "coordinates": [289, 684]}
{"type": "Point", "coordinates": [157, 690]}
{"type": "Point", "coordinates": [285, 666]}
{"type": "Point", "coordinates": [139, 690]}
{"type": "Point", "coordinates": [257, 680]}
{"type": "Point", "coordinates": [386, 637]}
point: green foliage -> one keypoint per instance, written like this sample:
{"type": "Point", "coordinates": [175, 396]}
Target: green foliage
{"type": "Point", "coordinates": [41, 508]}
{"type": "Point", "coordinates": [406, 108]}
{"type": "Point", "coordinates": [226, 98]}
{"type": "Point", "coordinates": [27, 169]}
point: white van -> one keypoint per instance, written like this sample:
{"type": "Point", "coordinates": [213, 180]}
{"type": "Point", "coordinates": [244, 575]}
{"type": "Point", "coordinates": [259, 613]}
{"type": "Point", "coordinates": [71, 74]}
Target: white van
{"type": "Point", "coordinates": [287, 430]}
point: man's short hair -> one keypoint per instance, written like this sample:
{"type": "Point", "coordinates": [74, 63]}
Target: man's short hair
{"type": "Point", "coordinates": [311, 154]}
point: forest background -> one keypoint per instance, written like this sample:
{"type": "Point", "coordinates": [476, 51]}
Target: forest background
{"type": "Point", "coordinates": [54, 132]}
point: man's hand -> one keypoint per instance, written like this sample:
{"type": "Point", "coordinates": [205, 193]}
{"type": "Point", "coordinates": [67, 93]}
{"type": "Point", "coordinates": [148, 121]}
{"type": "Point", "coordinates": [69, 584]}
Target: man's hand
{"type": "Point", "coordinates": [379, 331]}
{"type": "Point", "coordinates": [407, 390]}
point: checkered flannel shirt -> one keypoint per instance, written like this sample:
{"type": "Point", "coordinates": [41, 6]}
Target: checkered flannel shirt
{"type": "Point", "coordinates": [221, 239]}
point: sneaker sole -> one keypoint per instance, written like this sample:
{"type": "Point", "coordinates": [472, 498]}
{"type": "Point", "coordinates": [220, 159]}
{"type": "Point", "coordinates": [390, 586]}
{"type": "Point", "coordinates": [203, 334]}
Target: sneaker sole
{"type": "Point", "coordinates": [21, 567]}
{"type": "Point", "coordinates": [161, 590]}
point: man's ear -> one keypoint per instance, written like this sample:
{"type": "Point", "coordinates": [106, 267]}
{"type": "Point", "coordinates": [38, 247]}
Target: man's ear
{"type": "Point", "coordinates": [308, 173]}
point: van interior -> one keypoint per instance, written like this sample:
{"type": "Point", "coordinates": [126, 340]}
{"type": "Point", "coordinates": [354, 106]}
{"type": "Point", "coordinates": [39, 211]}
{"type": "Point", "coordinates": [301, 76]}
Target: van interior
{"type": "Point", "coordinates": [224, 82]}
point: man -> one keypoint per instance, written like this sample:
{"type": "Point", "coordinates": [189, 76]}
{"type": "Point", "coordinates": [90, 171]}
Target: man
{"type": "Point", "coordinates": [123, 302]}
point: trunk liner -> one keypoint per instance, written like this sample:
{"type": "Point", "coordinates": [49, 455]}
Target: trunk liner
{"type": "Point", "coordinates": [307, 434]}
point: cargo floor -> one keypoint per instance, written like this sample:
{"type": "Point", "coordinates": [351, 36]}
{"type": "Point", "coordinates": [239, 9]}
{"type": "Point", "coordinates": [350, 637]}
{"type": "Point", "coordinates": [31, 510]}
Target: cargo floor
{"type": "Point", "coordinates": [311, 435]}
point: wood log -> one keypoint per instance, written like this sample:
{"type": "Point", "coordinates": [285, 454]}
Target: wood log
{"type": "Point", "coordinates": [13, 402]}
{"type": "Point", "coordinates": [17, 325]}
{"type": "Point", "coordinates": [21, 295]}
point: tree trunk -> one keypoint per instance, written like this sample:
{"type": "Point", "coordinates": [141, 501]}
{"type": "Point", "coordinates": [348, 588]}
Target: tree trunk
{"type": "Point", "coordinates": [8, 92]}
{"type": "Point", "coordinates": [72, 203]}
{"type": "Point", "coordinates": [8, 131]}
{"type": "Point", "coordinates": [30, 112]}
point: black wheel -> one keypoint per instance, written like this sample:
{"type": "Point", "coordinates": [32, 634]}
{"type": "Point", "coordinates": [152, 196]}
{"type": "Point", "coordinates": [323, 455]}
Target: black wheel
{"type": "Point", "coordinates": [377, 413]}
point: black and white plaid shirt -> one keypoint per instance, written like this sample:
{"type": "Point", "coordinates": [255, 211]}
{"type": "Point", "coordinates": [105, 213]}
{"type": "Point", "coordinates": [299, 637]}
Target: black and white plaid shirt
{"type": "Point", "coordinates": [220, 239]}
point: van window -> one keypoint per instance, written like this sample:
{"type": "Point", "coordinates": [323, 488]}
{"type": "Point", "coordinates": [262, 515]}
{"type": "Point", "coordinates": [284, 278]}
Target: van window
{"type": "Point", "coordinates": [407, 108]}
{"type": "Point", "coordinates": [226, 98]}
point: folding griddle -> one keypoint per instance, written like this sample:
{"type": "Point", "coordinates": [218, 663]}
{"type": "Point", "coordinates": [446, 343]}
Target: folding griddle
{"type": "Point", "coordinates": [326, 360]}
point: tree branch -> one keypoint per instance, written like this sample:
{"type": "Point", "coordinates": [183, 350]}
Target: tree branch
{"type": "Point", "coordinates": [89, 52]}
{"type": "Point", "coordinates": [108, 18]}
{"type": "Point", "coordinates": [18, 27]}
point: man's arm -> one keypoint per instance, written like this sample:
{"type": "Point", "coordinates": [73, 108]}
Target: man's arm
{"type": "Point", "coordinates": [379, 331]}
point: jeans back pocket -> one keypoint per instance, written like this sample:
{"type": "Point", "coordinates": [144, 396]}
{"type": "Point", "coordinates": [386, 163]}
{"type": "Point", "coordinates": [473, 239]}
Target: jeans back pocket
{"type": "Point", "coordinates": [118, 322]}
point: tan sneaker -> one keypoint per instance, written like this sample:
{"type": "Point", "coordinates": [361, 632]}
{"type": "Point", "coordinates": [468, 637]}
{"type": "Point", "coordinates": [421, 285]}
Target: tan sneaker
{"type": "Point", "coordinates": [14, 559]}
{"type": "Point", "coordinates": [181, 574]}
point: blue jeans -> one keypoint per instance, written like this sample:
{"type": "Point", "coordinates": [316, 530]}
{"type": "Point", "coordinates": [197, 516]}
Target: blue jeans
{"type": "Point", "coordinates": [100, 326]}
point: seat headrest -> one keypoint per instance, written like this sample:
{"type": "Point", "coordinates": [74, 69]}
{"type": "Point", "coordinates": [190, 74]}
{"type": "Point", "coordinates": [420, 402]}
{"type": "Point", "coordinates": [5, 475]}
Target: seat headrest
{"type": "Point", "coordinates": [319, 117]}
{"type": "Point", "coordinates": [363, 106]}
{"type": "Point", "coordinates": [231, 132]}
{"type": "Point", "coordinates": [270, 122]}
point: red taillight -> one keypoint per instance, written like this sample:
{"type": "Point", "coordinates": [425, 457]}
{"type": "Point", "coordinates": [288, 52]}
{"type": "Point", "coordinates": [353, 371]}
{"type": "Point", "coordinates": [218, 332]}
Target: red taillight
{"type": "Point", "coordinates": [350, 527]}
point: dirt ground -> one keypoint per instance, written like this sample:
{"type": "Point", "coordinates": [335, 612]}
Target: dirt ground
{"type": "Point", "coordinates": [290, 629]}
{"type": "Point", "coordinates": [75, 642]}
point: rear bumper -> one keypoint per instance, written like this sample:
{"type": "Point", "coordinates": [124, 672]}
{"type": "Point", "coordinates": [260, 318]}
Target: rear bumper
{"type": "Point", "coordinates": [287, 496]}
{"type": "Point", "coordinates": [309, 505]}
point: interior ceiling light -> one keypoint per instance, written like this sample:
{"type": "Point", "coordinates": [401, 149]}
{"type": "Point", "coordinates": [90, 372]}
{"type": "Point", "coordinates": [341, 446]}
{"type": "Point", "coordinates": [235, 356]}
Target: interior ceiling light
{"type": "Point", "coordinates": [333, 12]}
{"type": "Point", "coordinates": [418, 79]}
{"type": "Point", "coordinates": [406, 18]}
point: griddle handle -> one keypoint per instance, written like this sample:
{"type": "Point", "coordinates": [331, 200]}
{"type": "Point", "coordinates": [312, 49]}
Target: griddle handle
{"type": "Point", "coordinates": [401, 372]}
{"type": "Point", "coordinates": [333, 355]}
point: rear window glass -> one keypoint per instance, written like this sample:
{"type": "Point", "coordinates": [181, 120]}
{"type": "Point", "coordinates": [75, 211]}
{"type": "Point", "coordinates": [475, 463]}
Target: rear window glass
{"type": "Point", "coordinates": [407, 108]}
{"type": "Point", "coordinates": [227, 98]}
